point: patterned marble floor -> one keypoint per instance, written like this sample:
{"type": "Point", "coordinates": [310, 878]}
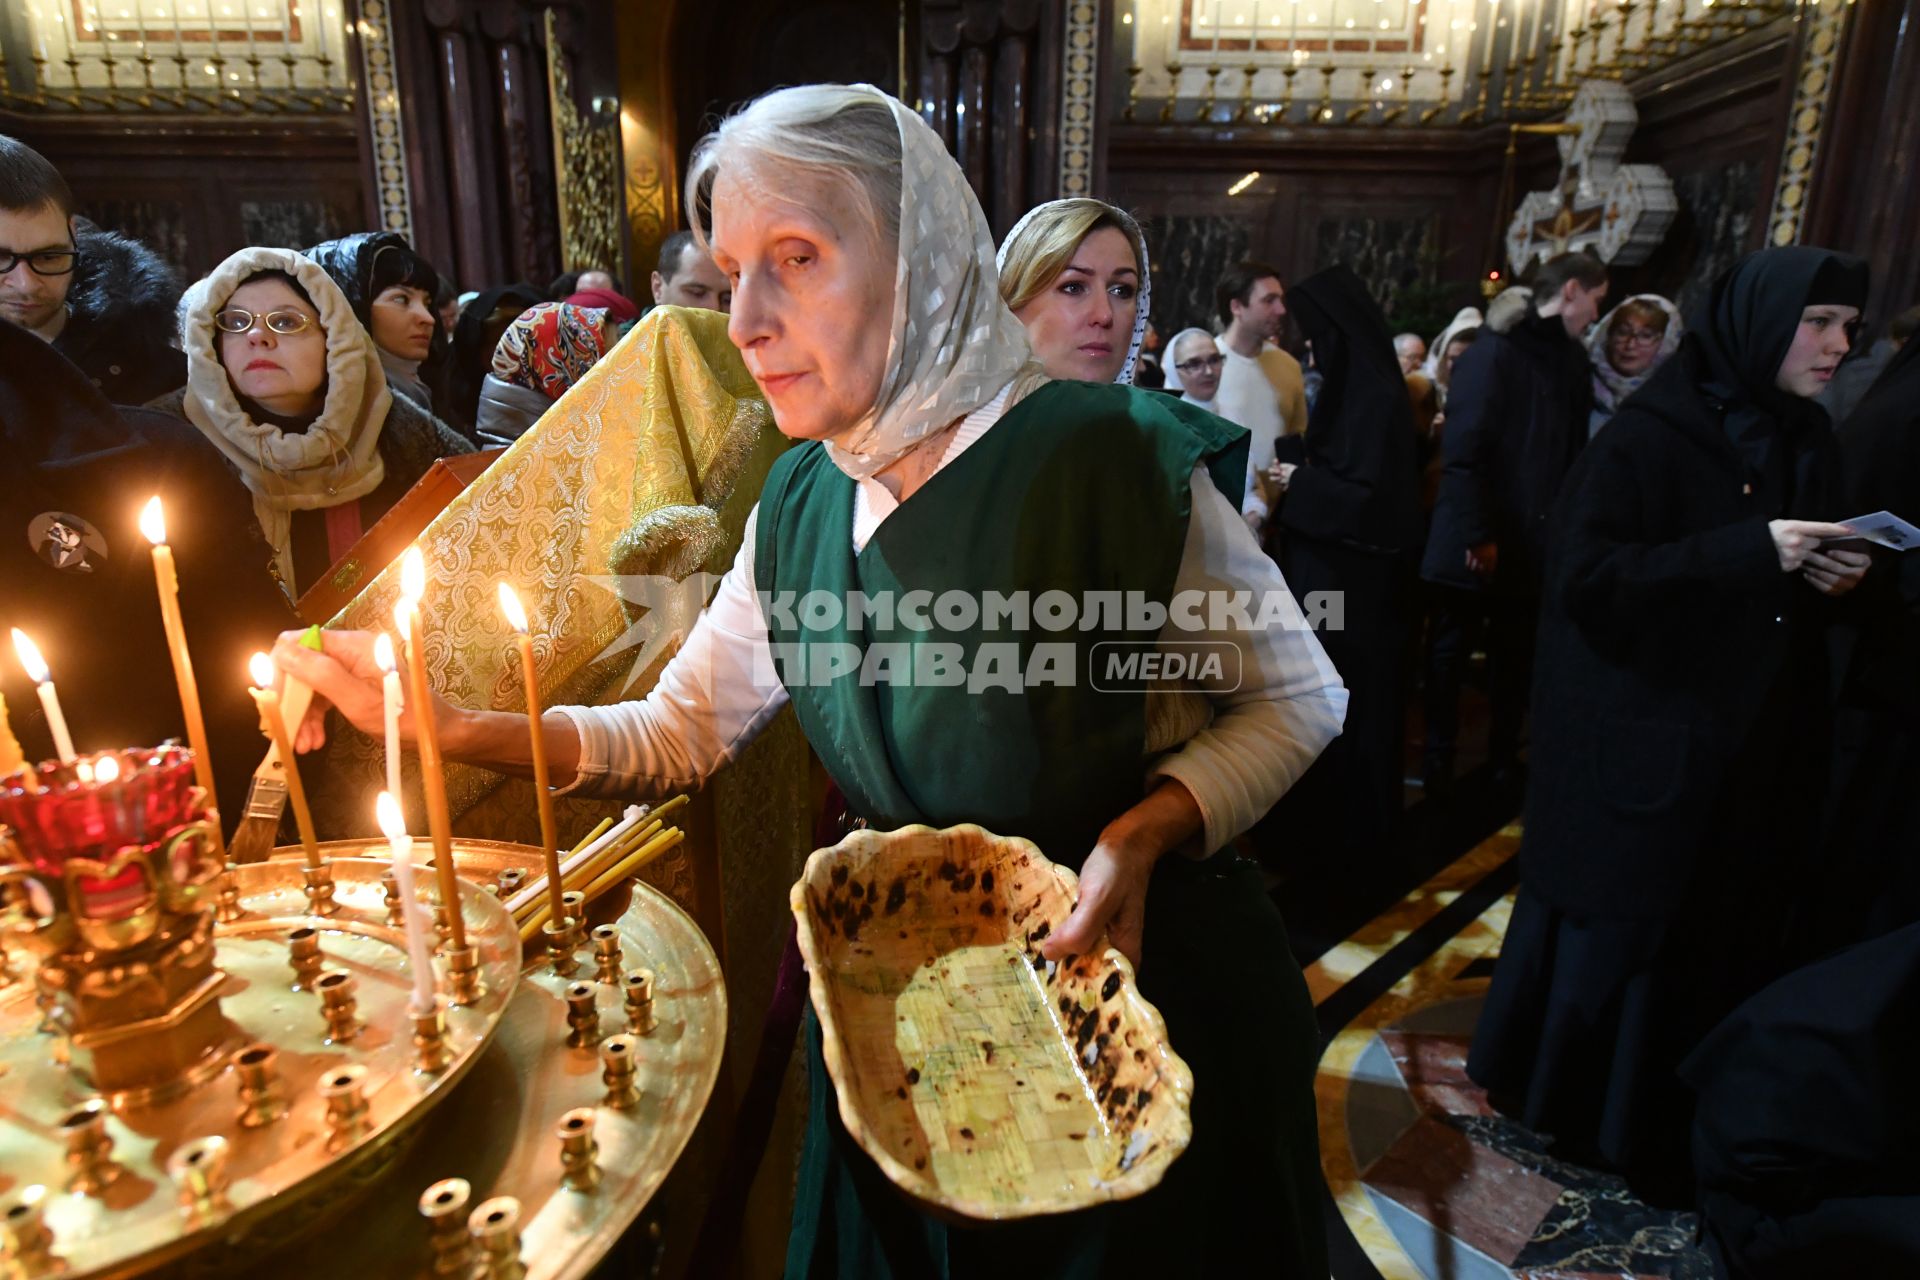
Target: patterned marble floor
{"type": "Point", "coordinates": [1429, 1183]}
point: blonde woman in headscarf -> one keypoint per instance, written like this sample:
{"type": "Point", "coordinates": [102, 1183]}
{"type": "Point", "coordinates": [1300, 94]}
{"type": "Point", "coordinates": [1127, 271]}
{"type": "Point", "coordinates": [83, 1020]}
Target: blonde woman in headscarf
{"type": "Point", "coordinates": [288, 386]}
{"type": "Point", "coordinates": [1074, 272]}
{"type": "Point", "coordinates": [866, 305]}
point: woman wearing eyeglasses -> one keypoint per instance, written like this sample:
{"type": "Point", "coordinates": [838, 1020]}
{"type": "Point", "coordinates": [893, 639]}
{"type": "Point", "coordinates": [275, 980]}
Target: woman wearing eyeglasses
{"type": "Point", "coordinates": [284, 381]}
{"type": "Point", "coordinates": [1632, 341]}
{"type": "Point", "coordinates": [1193, 367]}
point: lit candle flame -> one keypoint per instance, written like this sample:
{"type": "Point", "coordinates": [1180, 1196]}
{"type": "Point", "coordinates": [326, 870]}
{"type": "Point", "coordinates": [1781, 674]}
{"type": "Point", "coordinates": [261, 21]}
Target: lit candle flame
{"type": "Point", "coordinates": [392, 821]}
{"type": "Point", "coordinates": [383, 651]}
{"type": "Point", "coordinates": [30, 657]}
{"type": "Point", "coordinates": [83, 770]}
{"type": "Point", "coordinates": [510, 605]}
{"type": "Point", "coordinates": [153, 522]}
{"type": "Point", "coordinates": [261, 668]}
{"type": "Point", "coordinates": [401, 609]}
{"type": "Point", "coordinates": [413, 574]}
{"type": "Point", "coordinates": [106, 769]}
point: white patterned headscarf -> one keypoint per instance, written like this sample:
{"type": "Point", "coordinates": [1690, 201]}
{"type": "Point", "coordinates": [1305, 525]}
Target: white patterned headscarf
{"type": "Point", "coordinates": [952, 344]}
{"type": "Point", "coordinates": [1610, 386]}
{"type": "Point", "coordinates": [1142, 315]}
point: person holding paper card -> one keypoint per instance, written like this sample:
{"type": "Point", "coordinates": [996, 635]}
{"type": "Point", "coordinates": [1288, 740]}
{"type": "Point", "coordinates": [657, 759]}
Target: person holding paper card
{"type": "Point", "coordinates": [1681, 721]}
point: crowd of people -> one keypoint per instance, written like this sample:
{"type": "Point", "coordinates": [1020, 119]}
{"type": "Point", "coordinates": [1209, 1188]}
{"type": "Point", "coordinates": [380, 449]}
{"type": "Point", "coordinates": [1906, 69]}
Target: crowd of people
{"type": "Point", "coordinates": [1704, 679]}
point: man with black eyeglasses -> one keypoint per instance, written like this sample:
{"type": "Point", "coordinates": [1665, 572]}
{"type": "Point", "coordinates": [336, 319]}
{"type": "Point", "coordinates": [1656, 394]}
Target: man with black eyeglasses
{"type": "Point", "coordinates": [103, 301]}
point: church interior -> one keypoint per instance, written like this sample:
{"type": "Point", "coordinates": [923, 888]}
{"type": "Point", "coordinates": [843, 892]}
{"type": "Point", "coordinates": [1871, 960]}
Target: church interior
{"type": "Point", "coordinates": [1595, 899]}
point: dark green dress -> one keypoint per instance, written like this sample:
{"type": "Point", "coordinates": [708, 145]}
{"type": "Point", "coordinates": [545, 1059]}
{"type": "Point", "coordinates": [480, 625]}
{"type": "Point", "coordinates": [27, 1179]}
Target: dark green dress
{"type": "Point", "coordinates": [1081, 488]}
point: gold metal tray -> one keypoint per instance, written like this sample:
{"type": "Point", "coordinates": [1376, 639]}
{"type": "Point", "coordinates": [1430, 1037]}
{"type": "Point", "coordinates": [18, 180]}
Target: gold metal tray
{"type": "Point", "coordinates": [497, 1131]}
{"type": "Point", "coordinates": [136, 1224]}
{"type": "Point", "coordinates": [988, 1083]}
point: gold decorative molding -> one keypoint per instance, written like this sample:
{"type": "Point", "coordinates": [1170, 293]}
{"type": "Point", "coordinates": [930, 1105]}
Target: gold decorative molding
{"type": "Point", "coordinates": [586, 170]}
{"type": "Point", "coordinates": [1813, 90]}
{"type": "Point", "coordinates": [1079, 98]}
{"type": "Point", "coordinates": [380, 87]}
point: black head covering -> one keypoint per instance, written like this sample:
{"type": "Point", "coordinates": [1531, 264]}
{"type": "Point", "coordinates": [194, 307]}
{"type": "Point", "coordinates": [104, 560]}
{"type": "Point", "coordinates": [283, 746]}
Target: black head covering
{"type": "Point", "coordinates": [1747, 324]}
{"type": "Point", "coordinates": [1364, 490]}
{"type": "Point", "coordinates": [368, 263]}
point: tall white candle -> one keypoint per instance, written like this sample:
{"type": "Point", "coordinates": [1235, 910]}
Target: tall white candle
{"type": "Point", "coordinates": [36, 668]}
{"type": "Point", "coordinates": [393, 701]}
{"type": "Point", "coordinates": [418, 956]}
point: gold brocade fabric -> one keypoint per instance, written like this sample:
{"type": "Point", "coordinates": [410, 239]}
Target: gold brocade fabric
{"type": "Point", "coordinates": [648, 466]}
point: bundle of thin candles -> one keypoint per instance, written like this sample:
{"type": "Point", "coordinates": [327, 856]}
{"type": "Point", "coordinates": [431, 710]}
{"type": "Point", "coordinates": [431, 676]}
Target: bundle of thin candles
{"type": "Point", "coordinates": [611, 853]}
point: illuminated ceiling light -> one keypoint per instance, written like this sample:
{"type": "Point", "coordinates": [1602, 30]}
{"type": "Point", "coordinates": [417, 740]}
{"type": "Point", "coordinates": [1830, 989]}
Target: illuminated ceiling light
{"type": "Point", "coordinates": [1244, 183]}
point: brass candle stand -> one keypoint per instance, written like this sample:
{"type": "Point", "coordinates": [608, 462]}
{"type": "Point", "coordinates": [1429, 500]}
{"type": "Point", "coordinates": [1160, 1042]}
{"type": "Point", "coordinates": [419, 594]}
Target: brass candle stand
{"type": "Point", "coordinates": [1244, 112]}
{"type": "Point", "coordinates": [1359, 111]}
{"type": "Point", "coordinates": [323, 1093]}
{"type": "Point", "coordinates": [1439, 108]}
{"type": "Point", "coordinates": [1213, 93]}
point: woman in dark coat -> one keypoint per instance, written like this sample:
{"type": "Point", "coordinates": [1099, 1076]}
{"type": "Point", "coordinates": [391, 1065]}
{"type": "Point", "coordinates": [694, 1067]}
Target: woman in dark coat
{"type": "Point", "coordinates": [1348, 522]}
{"type": "Point", "coordinates": [1873, 883]}
{"type": "Point", "coordinates": [1680, 721]}
{"type": "Point", "coordinates": [391, 289]}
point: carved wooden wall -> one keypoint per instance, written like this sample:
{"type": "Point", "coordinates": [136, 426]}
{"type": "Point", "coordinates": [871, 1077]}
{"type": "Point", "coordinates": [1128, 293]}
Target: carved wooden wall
{"type": "Point", "coordinates": [989, 83]}
{"type": "Point", "coordinates": [196, 191]}
{"type": "Point", "coordinates": [478, 138]}
{"type": "Point", "coordinates": [1867, 185]}
{"type": "Point", "coordinates": [1413, 210]}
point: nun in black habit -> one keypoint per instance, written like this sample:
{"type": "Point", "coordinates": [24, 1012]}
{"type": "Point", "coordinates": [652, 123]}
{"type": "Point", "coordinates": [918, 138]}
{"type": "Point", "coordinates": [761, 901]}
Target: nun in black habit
{"type": "Point", "coordinates": [1349, 522]}
{"type": "Point", "coordinates": [1680, 725]}
{"type": "Point", "coordinates": [1873, 882]}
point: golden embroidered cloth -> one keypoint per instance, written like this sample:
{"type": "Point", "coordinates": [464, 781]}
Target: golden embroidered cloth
{"type": "Point", "coordinates": [648, 466]}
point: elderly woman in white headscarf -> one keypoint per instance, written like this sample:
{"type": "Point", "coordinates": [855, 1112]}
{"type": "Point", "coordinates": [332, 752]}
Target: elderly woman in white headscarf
{"type": "Point", "coordinates": [866, 305]}
{"type": "Point", "coordinates": [1074, 272]}
{"type": "Point", "coordinates": [1193, 367]}
{"type": "Point", "coordinates": [283, 379]}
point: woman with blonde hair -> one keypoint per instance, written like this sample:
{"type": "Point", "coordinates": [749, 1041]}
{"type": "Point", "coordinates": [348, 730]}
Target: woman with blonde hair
{"type": "Point", "coordinates": [1628, 344]}
{"type": "Point", "coordinates": [1074, 272]}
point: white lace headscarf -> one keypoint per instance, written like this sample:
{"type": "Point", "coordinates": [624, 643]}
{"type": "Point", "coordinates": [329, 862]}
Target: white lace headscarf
{"type": "Point", "coordinates": [952, 345]}
{"type": "Point", "coordinates": [1142, 314]}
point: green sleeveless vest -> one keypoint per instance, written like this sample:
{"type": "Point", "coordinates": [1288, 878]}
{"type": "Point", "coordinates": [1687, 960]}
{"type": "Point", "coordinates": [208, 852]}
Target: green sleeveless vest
{"type": "Point", "coordinates": [1082, 490]}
